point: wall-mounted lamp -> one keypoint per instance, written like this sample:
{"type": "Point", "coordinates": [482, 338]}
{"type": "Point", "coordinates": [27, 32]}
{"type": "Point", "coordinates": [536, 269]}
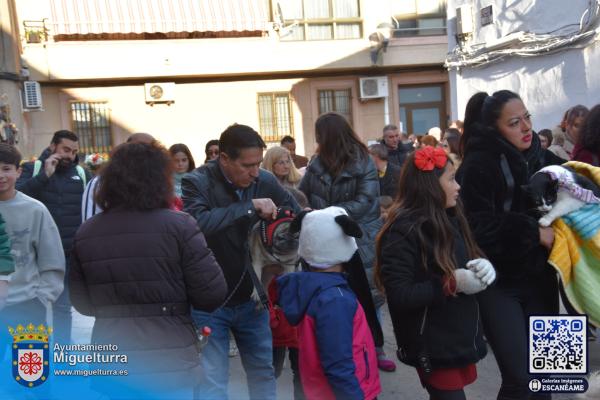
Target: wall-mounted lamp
{"type": "Point", "coordinates": [378, 42]}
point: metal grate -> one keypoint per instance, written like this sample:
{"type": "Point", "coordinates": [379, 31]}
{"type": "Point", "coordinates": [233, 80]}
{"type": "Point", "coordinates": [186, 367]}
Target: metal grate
{"type": "Point", "coordinates": [275, 116]}
{"type": "Point", "coordinates": [339, 100]}
{"type": "Point", "coordinates": [91, 123]}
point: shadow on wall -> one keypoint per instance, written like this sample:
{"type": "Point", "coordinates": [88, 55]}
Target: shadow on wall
{"type": "Point", "coordinates": [328, 91]}
{"type": "Point", "coordinates": [339, 74]}
{"type": "Point", "coordinates": [548, 84]}
{"type": "Point", "coordinates": [11, 118]}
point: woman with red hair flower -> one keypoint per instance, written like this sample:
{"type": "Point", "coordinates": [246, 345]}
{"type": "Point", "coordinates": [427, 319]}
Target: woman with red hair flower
{"type": "Point", "coordinates": [430, 268]}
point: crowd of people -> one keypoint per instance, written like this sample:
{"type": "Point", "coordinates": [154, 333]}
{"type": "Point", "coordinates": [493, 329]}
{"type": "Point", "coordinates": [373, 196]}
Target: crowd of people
{"type": "Point", "coordinates": [160, 252]}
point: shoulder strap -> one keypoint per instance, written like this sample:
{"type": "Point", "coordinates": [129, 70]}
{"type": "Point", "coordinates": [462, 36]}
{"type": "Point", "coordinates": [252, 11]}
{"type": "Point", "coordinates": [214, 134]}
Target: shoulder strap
{"type": "Point", "coordinates": [37, 167]}
{"type": "Point", "coordinates": [81, 173]}
{"type": "Point", "coordinates": [510, 182]}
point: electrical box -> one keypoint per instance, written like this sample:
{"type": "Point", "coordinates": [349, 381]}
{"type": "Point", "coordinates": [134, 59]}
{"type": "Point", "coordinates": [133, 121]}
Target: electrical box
{"type": "Point", "coordinates": [486, 14]}
{"type": "Point", "coordinates": [464, 20]}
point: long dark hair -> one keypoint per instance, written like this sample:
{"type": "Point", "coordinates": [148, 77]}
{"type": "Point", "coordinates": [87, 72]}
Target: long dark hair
{"type": "Point", "coordinates": [589, 137]}
{"type": "Point", "coordinates": [483, 112]}
{"type": "Point", "coordinates": [338, 143]}
{"type": "Point", "coordinates": [137, 177]}
{"type": "Point", "coordinates": [182, 148]}
{"type": "Point", "coordinates": [209, 144]}
{"type": "Point", "coordinates": [421, 197]}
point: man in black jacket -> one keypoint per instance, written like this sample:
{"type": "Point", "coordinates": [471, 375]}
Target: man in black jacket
{"type": "Point", "coordinates": [57, 180]}
{"type": "Point", "coordinates": [397, 150]}
{"type": "Point", "coordinates": [227, 197]}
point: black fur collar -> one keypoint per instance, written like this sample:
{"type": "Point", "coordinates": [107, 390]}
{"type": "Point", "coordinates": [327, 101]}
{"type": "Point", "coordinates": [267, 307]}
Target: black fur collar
{"type": "Point", "coordinates": [522, 164]}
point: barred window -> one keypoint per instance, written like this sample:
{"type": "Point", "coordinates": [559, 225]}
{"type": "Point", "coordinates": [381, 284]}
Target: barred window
{"type": "Point", "coordinates": [275, 116]}
{"type": "Point", "coordinates": [91, 123]}
{"type": "Point", "coordinates": [321, 19]}
{"type": "Point", "coordinates": [339, 100]}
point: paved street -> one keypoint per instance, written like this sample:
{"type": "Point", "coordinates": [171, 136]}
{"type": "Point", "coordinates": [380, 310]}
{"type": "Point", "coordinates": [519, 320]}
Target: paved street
{"type": "Point", "coordinates": [400, 385]}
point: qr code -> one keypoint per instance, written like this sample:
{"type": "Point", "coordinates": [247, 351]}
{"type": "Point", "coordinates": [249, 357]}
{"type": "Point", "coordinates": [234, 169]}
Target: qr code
{"type": "Point", "coordinates": [557, 344]}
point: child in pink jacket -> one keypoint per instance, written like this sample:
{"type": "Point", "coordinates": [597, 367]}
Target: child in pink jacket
{"type": "Point", "coordinates": [337, 357]}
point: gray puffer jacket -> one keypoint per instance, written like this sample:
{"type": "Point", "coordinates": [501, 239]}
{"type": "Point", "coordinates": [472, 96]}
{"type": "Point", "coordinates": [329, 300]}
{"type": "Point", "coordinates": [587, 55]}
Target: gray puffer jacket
{"type": "Point", "coordinates": [356, 189]}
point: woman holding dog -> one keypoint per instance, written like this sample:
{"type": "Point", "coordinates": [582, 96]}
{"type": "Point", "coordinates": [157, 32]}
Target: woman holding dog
{"type": "Point", "coordinates": [342, 174]}
{"type": "Point", "coordinates": [500, 153]}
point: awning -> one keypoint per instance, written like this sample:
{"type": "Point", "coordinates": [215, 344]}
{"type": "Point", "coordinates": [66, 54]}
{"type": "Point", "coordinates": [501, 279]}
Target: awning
{"type": "Point", "coordinates": [82, 17]}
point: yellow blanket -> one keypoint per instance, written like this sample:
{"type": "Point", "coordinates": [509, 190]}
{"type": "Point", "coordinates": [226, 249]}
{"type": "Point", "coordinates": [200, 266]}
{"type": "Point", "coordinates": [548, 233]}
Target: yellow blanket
{"type": "Point", "coordinates": [576, 251]}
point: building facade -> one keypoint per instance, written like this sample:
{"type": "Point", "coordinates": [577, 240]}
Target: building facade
{"type": "Point", "coordinates": [184, 70]}
{"type": "Point", "coordinates": [544, 50]}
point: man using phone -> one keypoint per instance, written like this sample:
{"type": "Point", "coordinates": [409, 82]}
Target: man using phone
{"type": "Point", "coordinates": [58, 181]}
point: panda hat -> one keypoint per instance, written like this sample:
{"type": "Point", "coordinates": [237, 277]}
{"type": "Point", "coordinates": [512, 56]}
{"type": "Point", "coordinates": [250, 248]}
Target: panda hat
{"type": "Point", "coordinates": [327, 237]}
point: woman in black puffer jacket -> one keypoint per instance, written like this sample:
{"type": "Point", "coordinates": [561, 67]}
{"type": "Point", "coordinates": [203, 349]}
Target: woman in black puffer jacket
{"type": "Point", "coordinates": [139, 267]}
{"type": "Point", "coordinates": [343, 175]}
{"type": "Point", "coordinates": [501, 153]}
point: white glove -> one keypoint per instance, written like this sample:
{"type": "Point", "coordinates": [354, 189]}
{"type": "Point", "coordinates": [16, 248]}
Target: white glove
{"type": "Point", "coordinates": [483, 269]}
{"type": "Point", "coordinates": [467, 282]}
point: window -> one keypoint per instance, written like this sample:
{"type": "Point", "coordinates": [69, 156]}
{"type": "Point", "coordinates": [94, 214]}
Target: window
{"type": "Point", "coordinates": [421, 108]}
{"type": "Point", "coordinates": [91, 122]}
{"type": "Point", "coordinates": [321, 19]}
{"type": "Point", "coordinates": [275, 116]}
{"type": "Point", "coordinates": [339, 101]}
{"type": "Point", "coordinates": [419, 18]}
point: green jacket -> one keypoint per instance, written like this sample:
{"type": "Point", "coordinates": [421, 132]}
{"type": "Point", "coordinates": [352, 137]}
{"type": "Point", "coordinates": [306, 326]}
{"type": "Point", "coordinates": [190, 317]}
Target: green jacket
{"type": "Point", "coordinates": [7, 264]}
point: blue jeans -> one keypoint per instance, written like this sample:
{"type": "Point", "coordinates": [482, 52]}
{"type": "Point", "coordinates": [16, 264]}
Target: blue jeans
{"type": "Point", "coordinates": [252, 333]}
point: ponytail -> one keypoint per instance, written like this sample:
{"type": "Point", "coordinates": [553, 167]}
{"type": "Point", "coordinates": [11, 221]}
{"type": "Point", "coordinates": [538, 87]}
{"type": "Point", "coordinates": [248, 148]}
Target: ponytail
{"type": "Point", "coordinates": [483, 112]}
{"type": "Point", "coordinates": [472, 117]}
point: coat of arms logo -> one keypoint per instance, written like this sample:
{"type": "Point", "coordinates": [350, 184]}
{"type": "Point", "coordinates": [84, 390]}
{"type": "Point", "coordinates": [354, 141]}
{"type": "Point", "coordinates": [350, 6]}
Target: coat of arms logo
{"type": "Point", "coordinates": [30, 354]}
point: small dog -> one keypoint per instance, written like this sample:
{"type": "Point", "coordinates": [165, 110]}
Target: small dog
{"type": "Point", "coordinates": [273, 245]}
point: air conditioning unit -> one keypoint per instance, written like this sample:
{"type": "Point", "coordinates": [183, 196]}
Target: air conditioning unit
{"type": "Point", "coordinates": [160, 92]}
{"type": "Point", "coordinates": [32, 95]}
{"type": "Point", "coordinates": [373, 87]}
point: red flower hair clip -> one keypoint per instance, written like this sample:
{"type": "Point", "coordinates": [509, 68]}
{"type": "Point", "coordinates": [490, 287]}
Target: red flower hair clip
{"type": "Point", "coordinates": [428, 158]}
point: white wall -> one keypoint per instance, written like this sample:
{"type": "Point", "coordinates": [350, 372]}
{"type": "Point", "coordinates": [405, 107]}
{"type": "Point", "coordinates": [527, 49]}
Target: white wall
{"type": "Point", "coordinates": [548, 84]}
